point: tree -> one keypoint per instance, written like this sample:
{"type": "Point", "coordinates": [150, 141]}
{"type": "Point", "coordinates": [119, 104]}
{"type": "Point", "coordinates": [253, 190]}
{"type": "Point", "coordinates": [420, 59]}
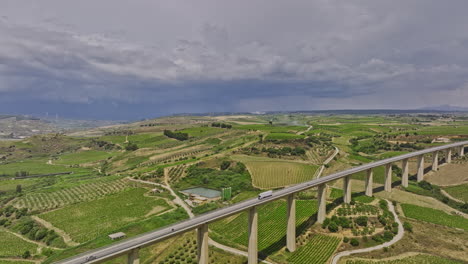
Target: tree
{"type": "Point", "coordinates": [131, 147]}
{"type": "Point", "coordinates": [361, 220]}
{"type": "Point", "coordinates": [354, 242]}
{"type": "Point", "coordinates": [333, 227]}
{"type": "Point", "coordinates": [408, 227]}
{"type": "Point", "coordinates": [19, 189]}
{"type": "Point", "coordinates": [26, 254]}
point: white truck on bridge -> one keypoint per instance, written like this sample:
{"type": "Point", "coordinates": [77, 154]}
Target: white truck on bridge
{"type": "Point", "coordinates": [265, 194]}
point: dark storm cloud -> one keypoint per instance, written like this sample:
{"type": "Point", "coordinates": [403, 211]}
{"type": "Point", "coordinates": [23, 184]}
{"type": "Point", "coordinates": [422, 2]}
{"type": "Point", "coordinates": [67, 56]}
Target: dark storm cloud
{"type": "Point", "coordinates": [147, 58]}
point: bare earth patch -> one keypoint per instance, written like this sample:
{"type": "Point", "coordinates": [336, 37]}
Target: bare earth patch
{"type": "Point", "coordinates": [450, 174]}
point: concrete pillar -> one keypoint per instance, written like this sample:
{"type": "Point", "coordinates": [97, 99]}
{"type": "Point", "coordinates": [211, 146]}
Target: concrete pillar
{"type": "Point", "coordinates": [388, 177]}
{"type": "Point", "coordinates": [347, 189]}
{"type": "Point", "coordinates": [461, 151]}
{"type": "Point", "coordinates": [420, 175]}
{"type": "Point", "coordinates": [404, 175]}
{"type": "Point", "coordinates": [291, 229]}
{"type": "Point", "coordinates": [369, 182]}
{"type": "Point", "coordinates": [322, 203]}
{"type": "Point", "coordinates": [435, 160]}
{"type": "Point", "coordinates": [253, 235]}
{"type": "Point", "coordinates": [448, 155]}
{"type": "Point", "coordinates": [202, 242]}
{"type": "Point", "coordinates": [133, 256]}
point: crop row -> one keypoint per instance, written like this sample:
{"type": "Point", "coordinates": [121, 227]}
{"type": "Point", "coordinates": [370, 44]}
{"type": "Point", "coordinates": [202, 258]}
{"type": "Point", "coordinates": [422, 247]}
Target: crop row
{"type": "Point", "coordinates": [176, 172]}
{"type": "Point", "coordinates": [172, 156]}
{"type": "Point", "coordinates": [81, 193]}
{"type": "Point", "coordinates": [268, 175]}
{"type": "Point", "coordinates": [318, 250]}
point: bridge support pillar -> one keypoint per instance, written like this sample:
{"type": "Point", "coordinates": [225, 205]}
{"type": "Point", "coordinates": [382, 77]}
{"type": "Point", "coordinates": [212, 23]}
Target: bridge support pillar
{"type": "Point", "coordinates": [347, 189]}
{"type": "Point", "coordinates": [133, 256]}
{"type": "Point", "coordinates": [369, 182]}
{"type": "Point", "coordinates": [435, 160]}
{"type": "Point", "coordinates": [404, 176]}
{"type": "Point", "coordinates": [202, 242]}
{"type": "Point", "coordinates": [253, 233]}
{"type": "Point", "coordinates": [461, 151]}
{"type": "Point", "coordinates": [388, 177]}
{"type": "Point", "coordinates": [322, 203]}
{"type": "Point", "coordinates": [448, 155]}
{"type": "Point", "coordinates": [291, 230]}
{"type": "Point", "coordinates": [420, 175]}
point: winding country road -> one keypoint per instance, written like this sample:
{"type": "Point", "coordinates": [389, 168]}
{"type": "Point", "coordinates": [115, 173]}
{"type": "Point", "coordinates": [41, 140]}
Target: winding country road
{"type": "Point", "coordinates": [395, 239]}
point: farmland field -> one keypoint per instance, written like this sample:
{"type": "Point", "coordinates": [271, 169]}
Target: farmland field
{"type": "Point", "coordinates": [12, 246]}
{"type": "Point", "coordinates": [460, 192]}
{"type": "Point", "coordinates": [36, 166]}
{"type": "Point", "coordinates": [66, 196]}
{"type": "Point", "coordinates": [87, 220]}
{"type": "Point", "coordinates": [271, 228]}
{"type": "Point", "coordinates": [434, 216]}
{"type": "Point", "coordinates": [318, 250]}
{"type": "Point", "coordinates": [282, 136]}
{"type": "Point", "coordinates": [272, 173]}
{"type": "Point", "coordinates": [418, 259]}
{"type": "Point", "coordinates": [83, 157]}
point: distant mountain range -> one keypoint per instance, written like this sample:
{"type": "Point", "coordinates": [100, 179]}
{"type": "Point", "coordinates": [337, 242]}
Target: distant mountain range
{"type": "Point", "coordinates": [446, 108]}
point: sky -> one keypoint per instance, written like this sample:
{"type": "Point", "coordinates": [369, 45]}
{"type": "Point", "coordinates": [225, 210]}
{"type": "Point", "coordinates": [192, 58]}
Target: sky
{"type": "Point", "coordinates": [124, 60]}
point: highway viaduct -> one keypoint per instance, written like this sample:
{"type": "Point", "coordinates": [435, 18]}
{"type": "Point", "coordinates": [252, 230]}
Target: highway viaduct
{"type": "Point", "coordinates": [131, 247]}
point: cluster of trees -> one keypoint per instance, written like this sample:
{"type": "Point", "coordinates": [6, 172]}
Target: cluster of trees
{"type": "Point", "coordinates": [19, 221]}
{"type": "Point", "coordinates": [131, 147]}
{"type": "Point", "coordinates": [21, 173]}
{"type": "Point", "coordinates": [235, 175]}
{"type": "Point", "coordinates": [369, 146]}
{"type": "Point", "coordinates": [335, 222]}
{"type": "Point", "coordinates": [221, 125]}
{"type": "Point", "coordinates": [101, 144]}
{"type": "Point", "coordinates": [285, 151]}
{"type": "Point", "coordinates": [176, 135]}
{"type": "Point", "coordinates": [120, 133]}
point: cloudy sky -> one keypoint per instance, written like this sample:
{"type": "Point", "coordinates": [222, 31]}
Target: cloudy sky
{"type": "Point", "coordinates": [121, 59]}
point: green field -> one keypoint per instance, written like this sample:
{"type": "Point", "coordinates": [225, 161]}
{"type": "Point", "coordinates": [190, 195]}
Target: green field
{"type": "Point", "coordinates": [36, 166]}
{"type": "Point", "coordinates": [202, 131]}
{"type": "Point", "coordinates": [13, 246]}
{"type": "Point", "coordinates": [271, 225]}
{"type": "Point", "coordinates": [274, 173]}
{"type": "Point", "coordinates": [88, 220]}
{"type": "Point", "coordinates": [434, 216]}
{"type": "Point", "coordinates": [66, 196]}
{"type": "Point", "coordinates": [317, 250]}
{"type": "Point", "coordinates": [283, 136]}
{"type": "Point", "coordinates": [83, 157]}
{"type": "Point", "coordinates": [418, 259]}
{"type": "Point", "coordinates": [143, 140]}
{"type": "Point", "coordinates": [460, 192]}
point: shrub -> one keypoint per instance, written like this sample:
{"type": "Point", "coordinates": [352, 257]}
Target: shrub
{"type": "Point", "coordinates": [408, 227]}
{"type": "Point", "coordinates": [361, 220]}
{"type": "Point", "coordinates": [26, 254]}
{"type": "Point", "coordinates": [354, 242]}
{"type": "Point", "coordinates": [333, 227]}
{"type": "Point", "coordinates": [346, 239]}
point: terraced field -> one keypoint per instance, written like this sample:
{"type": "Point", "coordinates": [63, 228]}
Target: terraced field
{"type": "Point", "coordinates": [80, 193]}
{"type": "Point", "coordinates": [269, 175]}
{"type": "Point", "coordinates": [318, 250]}
{"type": "Point", "coordinates": [176, 172]}
{"type": "Point", "coordinates": [434, 216]}
{"type": "Point", "coordinates": [88, 220]}
{"type": "Point", "coordinates": [83, 157]}
{"type": "Point", "coordinates": [460, 192]}
{"type": "Point", "coordinates": [274, 173]}
{"type": "Point", "coordinates": [271, 228]}
{"type": "Point", "coordinates": [13, 246]}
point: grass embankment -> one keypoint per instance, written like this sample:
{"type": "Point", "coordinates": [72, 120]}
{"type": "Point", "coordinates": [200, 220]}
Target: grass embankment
{"type": "Point", "coordinates": [434, 216]}
{"type": "Point", "coordinates": [459, 192]}
{"type": "Point", "coordinates": [88, 220]}
{"type": "Point", "coordinates": [13, 246]}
